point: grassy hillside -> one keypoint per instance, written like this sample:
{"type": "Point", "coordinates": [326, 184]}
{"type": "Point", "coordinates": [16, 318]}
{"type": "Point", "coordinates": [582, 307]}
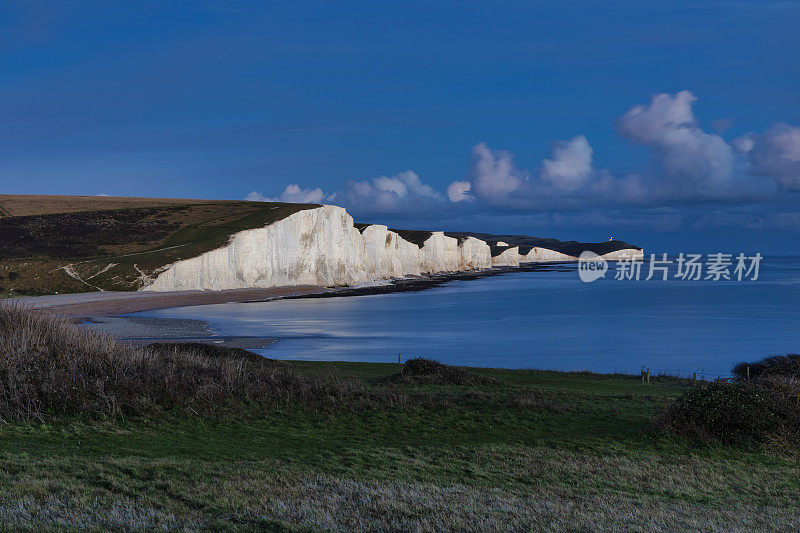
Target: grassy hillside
{"type": "Point", "coordinates": [76, 244]}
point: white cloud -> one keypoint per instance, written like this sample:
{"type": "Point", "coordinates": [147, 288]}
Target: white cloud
{"type": "Point", "coordinates": [387, 194]}
{"type": "Point", "coordinates": [567, 178]}
{"type": "Point", "coordinates": [570, 165]}
{"type": "Point", "coordinates": [654, 123]}
{"type": "Point", "coordinates": [775, 153]}
{"type": "Point", "coordinates": [744, 143]}
{"type": "Point", "coordinates": [493, 174]}
{"type": "Point", "coordinates": [691, 162]}
{"type": "Point", "coordinates": [459, 191]}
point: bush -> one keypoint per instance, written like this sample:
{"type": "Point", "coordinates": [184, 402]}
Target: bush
{"type": "Point", "coordinates": [776, 365]}
{"type": "Point", "coordinates": [49, 367]}
{"type": "Point", "coordinates": [211, 350]}
{"type": "Point", "coordinates": [422, 370]}
{"type": "Point", "coordinates": [738, 412]}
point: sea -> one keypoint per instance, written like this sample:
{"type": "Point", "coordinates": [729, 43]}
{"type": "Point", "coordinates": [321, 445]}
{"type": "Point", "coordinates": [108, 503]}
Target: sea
{"type": "Point", "coordinates": [548, 319]}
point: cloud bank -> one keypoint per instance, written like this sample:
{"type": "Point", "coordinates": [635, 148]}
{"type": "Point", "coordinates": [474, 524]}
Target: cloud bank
{"type": "Point", "coordinates": [385, 194]}
{"type": "Point", "coordinates": [689, 165]}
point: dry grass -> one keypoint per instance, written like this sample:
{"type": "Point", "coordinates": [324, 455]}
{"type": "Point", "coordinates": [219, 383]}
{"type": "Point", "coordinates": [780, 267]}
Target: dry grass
{"type": "Point", "coordinates": [49, 367]}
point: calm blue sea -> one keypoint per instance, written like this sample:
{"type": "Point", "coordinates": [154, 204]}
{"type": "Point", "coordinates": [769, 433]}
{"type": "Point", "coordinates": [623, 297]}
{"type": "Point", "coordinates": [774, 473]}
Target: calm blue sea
{"type": "Point", "coordinates": [547, 320]}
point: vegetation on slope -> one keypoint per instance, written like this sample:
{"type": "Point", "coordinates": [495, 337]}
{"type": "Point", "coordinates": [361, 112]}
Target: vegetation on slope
{"type": "Point", "coordinates": [50, 368]}
{"type": "Point", "coordinates": [764, 409]}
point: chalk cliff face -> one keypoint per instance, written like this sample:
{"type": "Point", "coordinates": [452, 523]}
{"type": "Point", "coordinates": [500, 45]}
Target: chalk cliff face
{"type": "Point", "coordinates": [627, 254]}
{"type": "Point", "coordinates": [474, 254]}
{"type": "Point", "coordinates": [321, 246]}
{"type": "Point", "coordinates": [508, 257]}
{"type": "Point", "coordinates": [542, 255]}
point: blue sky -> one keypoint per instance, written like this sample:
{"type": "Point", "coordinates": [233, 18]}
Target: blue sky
{"type": "Point", "coordinates": [515, 117]}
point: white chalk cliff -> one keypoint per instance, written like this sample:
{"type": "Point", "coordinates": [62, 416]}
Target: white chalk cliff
{"type": "Point", "coordinates": [321, 246]}
{"type": "Point", "coordinates": [543, 255]}
{"type": "Point", "coordinates": [508, 257]}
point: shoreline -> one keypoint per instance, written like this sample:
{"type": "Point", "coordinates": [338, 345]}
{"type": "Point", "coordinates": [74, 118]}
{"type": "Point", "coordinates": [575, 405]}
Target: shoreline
{"type": "Point", "coordinates": [115, 304]}
{"type": "Point", "coordinates": [431, 281]}
{"type": "Point", "coordinates": [87, 305]}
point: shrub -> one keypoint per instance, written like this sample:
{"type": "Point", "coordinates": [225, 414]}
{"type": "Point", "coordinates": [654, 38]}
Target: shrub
{"type": "Point", "coordinates": [211, 350]}
{"type": "Point", "coordinates": [737, 412]}
{"type": "Point", "coordinates": [49, 367]}
{"type": "Point", "coordinates": [776, 365]}
{"type": "Point", "coordinates": [422, 370]}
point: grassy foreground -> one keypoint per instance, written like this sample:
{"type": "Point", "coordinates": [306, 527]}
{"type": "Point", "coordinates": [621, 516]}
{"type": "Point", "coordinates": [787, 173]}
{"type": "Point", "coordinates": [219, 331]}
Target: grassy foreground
{"type": "Point", "coordinates": [519, 450]}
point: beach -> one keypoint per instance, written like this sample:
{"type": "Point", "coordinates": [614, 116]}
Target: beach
{"type": "Point", "coordinates": [103, 312]}
{"type": "Point", "coordinates": [107, 304]}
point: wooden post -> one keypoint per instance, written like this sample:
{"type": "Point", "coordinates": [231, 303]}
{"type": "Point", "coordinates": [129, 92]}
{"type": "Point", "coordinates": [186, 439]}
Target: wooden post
{"type": "Point", "coordinates": [642, 373]}
{"type": "Point", "coordinates": [694, 378]}
{"type": "Point", "coordinates": [748, 373]}
{"type": "Point", "coordinates": [648, 376]}
{"type": "Point", "coordinates": [398, 360]}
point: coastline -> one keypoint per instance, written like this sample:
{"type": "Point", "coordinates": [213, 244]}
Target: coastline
{"type": "Point", "coordinates": [431, 281]}
{"type": "Point", "coordinates": [115, 304]}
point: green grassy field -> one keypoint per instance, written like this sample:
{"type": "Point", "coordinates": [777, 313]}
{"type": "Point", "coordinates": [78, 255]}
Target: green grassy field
{"type": "Point", "coordinates": [526, 450]}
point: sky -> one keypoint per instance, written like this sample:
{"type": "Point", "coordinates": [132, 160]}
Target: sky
{"type": "Point", "coordinates": [671, 125]}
